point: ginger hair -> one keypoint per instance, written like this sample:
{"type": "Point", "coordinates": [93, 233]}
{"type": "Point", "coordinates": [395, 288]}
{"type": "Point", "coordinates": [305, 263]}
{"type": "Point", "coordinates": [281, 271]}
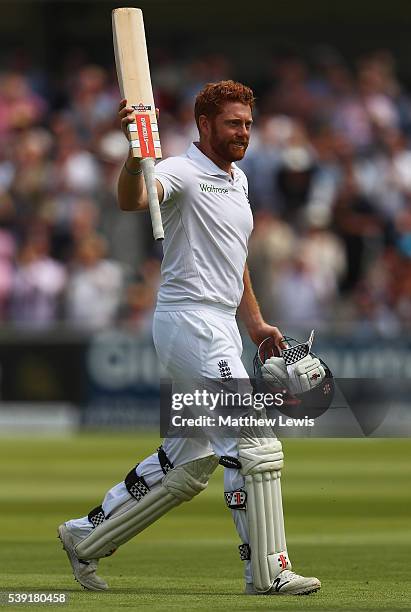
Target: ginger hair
{"type": "Point", "coordinates": [213, 96]}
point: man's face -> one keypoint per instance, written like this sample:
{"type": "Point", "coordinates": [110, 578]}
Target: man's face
{"type": "Point", "coordinates": [228, 133]}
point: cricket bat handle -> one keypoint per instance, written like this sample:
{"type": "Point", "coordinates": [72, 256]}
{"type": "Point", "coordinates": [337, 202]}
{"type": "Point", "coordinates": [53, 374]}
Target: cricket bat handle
{"type": "Point", "coordinates": [147, 164]}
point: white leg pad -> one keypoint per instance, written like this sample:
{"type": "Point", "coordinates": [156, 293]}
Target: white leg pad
{"type": "Point", "coordinates": [180, 484]}
{"type": "Point", "coordinates": [262, 460]}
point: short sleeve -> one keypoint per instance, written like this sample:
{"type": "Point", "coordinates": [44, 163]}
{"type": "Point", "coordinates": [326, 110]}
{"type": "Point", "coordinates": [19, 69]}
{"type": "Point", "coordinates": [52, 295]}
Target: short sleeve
{"type": "Point", "coordinates": [170, 172]}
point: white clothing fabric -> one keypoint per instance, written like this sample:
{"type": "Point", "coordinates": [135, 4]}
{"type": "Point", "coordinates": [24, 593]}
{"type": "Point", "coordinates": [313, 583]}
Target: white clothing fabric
{"type": "Point", "coordinates": [207, 223]}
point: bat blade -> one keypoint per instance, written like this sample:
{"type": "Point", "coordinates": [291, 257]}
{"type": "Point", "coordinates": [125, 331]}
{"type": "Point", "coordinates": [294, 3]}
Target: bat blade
{"type": "Point", "coordinates": [134, 79]}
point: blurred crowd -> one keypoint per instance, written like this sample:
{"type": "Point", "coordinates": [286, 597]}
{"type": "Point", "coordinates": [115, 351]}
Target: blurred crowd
{"type": "Point", "coordinates": [329, 170]}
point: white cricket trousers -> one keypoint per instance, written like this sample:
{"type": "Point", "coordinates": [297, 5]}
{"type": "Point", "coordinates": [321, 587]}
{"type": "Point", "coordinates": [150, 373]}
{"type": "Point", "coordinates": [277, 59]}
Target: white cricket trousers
{"type": "Point", "coordinates": [190, 343]}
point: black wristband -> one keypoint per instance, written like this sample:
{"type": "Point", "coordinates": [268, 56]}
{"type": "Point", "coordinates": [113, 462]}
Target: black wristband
{"type": "Point", "coordinates": [137, 173]}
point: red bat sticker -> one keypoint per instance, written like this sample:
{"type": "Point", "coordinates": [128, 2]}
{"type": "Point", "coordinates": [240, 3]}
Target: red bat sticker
{"type": "Point", "coordinates": [145, 135]}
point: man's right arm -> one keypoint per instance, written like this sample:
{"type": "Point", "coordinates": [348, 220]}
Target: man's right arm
{"type": "Point", "coordinates": [132, 193]}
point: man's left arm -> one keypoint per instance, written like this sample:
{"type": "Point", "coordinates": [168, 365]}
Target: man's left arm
{"type": "Point", "coordinates": [251, 316]}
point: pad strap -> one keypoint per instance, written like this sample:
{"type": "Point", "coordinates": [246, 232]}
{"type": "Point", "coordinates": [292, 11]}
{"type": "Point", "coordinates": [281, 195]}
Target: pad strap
{"type": "Point", "coordinates": [165, 463]}
{"type": "Point", "coordinates": [96, 516]}
{"type": "Point", "coordinates": [230, 462]}
{"type": "Point", "coordinates": [136, 485]}
{"type": "Point", "coordinates": [245, 552]}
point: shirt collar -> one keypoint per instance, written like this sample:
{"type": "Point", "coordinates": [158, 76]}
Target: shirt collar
{"type": "Point", "coordinates": [194, 153]}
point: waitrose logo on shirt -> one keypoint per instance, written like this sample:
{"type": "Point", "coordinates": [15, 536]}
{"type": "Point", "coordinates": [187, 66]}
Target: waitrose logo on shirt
{"type": "Point", "coordinates": [212, 188]}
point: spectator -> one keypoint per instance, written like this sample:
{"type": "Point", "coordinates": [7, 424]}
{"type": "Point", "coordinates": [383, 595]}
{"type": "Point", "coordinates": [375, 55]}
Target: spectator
{"type": "Point", "coordinates": [302, 300]}
{"type": "Point", "coordinates": [20, 107]}
{"type": "Point", "coordinates": [95, 286]}
{"type": "Point", "coordinates": [7, 250]}
{"type": "Point", "coordinates": [38, 283]}
{"type": "Point", "coordinates": [356, 217]}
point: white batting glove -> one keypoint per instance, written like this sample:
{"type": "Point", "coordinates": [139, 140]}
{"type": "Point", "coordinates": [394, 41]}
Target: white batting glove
{"type": "Point", "coordinates": [275, 371]}
{"type": "Point", "coordinates": [306, 374]}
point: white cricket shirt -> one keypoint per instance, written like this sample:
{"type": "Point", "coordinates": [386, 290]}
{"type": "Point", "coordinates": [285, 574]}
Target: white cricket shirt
{"type": "Point", "coordinates": [207, 223]}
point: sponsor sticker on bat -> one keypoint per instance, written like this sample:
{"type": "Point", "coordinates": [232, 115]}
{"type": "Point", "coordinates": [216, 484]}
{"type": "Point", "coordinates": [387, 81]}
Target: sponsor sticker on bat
{"type": "Point", "coordinates": [145, 135]}
{"type": "Point", "coordinates": [141, 108]}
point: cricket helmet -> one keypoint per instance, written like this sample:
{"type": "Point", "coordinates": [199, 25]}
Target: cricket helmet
{"type": "Point", "coordinates": [312, 402]}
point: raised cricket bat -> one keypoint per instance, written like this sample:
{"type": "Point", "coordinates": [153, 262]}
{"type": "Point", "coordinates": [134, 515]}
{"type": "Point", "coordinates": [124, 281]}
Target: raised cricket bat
{"type": "Point", "coordinates": [133, 73]}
